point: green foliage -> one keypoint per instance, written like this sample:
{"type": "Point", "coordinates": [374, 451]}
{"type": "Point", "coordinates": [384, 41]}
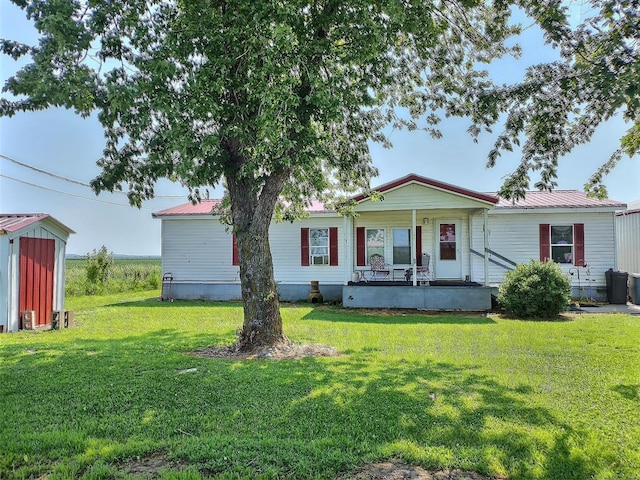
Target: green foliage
{"type": "Point", "coordinates": [521, 400]}
{"type": "Point", "coordinates": [268, 95]}
{"type": "Point", "coordinates": [535, 290]}
{"type": "Point", "coordinates": [123, 275]}
{"type": "Point", "coordinates": [559, 105]}
{"type": "Point", "coordinates": [98, 266]}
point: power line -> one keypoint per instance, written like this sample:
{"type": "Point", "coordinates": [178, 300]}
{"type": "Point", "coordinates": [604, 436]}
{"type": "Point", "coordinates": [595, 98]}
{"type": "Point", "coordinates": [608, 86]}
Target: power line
{"type": "Point", "coordinates": [67, 193]}
{"type": "Point", "coordinates": [44, 171]}
{"type": "Point", "coordinates": [66, 179]}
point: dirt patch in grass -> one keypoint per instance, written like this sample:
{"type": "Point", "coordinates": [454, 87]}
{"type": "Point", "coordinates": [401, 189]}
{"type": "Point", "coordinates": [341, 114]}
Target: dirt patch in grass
{"type": "Point", "coordinates": [289, 351]}
{"type": "Point", "coordinates": [397, 470]}
{"type": "Point", "coordinates": [149, 466]}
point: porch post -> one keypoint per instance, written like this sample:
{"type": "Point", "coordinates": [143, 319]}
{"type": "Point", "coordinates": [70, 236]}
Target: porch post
{"type": "Point", "coordinates": [349, 265]}
{"type": "Point", "coordinates": [485, 228]}
{"type": "Point", "coordinates": [414, 265]}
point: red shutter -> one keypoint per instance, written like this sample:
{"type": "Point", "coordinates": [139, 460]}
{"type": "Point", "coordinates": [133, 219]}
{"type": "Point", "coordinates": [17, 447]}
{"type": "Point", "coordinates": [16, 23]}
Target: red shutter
{"type": "Point", "coordinates": [545, 242]}
{"type": "Point", "coordinates": [419, 245]}
{"type": "Point", "coordinates": [578, 245]}
{"type": "Point", "coordinates": [304, 247]}
{"type": "Point", "coordinates": [235, 258]}
{"type": "Point", "coordinates": [333, 246]}
{"type": "Point", "coordinates": [360, 247]}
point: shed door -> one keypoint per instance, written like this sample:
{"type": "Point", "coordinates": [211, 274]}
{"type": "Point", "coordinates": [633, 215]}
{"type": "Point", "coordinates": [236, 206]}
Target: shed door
{"type": "Point", "coordinates": [37, 257]}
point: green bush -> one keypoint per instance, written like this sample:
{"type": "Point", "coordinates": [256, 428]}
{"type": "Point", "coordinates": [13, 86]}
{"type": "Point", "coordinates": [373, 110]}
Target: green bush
{"type": "Point", "coordinates": [535, 290]}
{"type": "Point", "coordinates": [97, 269]}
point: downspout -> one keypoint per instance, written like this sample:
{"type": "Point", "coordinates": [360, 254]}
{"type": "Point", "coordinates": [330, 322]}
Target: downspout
{"type": "Point", "coordinates": [414, 266]}
{"type": "Point", "coordinates": [485, 228]}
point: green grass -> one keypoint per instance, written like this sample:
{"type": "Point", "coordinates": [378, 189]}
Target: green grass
{"type": "Point", "coordinates": [523, 400]}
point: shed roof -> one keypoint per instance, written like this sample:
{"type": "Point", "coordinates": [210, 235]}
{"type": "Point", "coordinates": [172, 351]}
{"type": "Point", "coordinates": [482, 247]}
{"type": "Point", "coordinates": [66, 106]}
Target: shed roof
{"type": "Point", "coordinates": [11, 222]}
{"type": "Point", "coordinates": [558, 199]}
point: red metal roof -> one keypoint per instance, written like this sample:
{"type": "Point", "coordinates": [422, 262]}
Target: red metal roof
{"type": "Point", "coordinates": [11, 222]}
{"type": "Point", "coordinates": [558, 199]}
{"type": "Point", "coordinates": [205, 207]}
{"type": "Point", "coordinates": [533, 199]}
{"type": "Point", "coordinates": [447, 187]}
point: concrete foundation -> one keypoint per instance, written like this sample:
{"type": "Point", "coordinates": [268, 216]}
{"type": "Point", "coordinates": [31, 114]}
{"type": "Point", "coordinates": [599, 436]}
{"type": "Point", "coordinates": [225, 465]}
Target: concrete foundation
{"type": "Point", "coordinates": [427, 297]}
{"type": "Point", "coordinates": [231, 291]}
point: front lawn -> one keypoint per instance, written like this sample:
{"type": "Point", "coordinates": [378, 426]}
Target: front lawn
{"type": "Point", "coordinates": [118, 396]}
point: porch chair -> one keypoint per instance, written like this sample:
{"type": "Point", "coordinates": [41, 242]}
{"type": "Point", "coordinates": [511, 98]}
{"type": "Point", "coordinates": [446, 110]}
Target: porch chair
{"type": "Point", "coordinates": [422, 271]}
{"type": "Point", "coordinates": [379, 269]}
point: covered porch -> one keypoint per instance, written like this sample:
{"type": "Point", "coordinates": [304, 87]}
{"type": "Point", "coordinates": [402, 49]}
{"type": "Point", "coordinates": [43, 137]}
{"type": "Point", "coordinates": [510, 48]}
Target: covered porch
{"type": "Point", "coordinates": [411, 247]}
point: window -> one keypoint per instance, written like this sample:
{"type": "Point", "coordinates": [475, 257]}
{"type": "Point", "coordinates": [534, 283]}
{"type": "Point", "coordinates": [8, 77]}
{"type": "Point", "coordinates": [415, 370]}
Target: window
{"type": "Point", "coordinates": [401, 246]}
{"type": "Point", "coordinates": [562, 243]}
{"type": "Point", "coordinates": [375, 242]}
{"type": "Point", "coordinates": [448, 241]}
{"type": "Point", "coordinates": [319, 246]}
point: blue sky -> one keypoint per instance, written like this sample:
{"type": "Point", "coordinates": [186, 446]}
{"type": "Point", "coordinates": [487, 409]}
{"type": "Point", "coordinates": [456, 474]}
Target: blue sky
{"type": "Point", "coordinates": [60, 142]}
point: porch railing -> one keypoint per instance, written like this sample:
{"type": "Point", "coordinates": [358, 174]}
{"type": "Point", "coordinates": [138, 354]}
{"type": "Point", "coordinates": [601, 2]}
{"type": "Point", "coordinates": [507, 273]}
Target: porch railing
{"type": "Point", "coordinates": [511, 263]}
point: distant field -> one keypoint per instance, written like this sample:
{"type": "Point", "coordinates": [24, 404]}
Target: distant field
{"type": "Point", "coordinates": [125, 274]}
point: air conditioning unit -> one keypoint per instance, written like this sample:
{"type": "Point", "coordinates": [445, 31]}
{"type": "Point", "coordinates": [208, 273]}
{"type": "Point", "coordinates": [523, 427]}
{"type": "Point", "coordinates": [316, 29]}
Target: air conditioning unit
{"type": "Point", "coordinates": [29, 319]}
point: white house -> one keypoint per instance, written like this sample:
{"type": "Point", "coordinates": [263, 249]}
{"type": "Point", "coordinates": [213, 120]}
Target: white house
{"type": "Point", "coordinates": [431, 237]}
{"type": "Point", "coordinates": [32, 269]}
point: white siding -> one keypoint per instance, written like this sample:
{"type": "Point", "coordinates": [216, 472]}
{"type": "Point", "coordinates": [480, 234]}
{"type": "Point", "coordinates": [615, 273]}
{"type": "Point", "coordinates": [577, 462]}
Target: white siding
{"type": "Point", "coordinates": [628, 241]}
{"type": "Point", "coordinates": [200, 250]}
{"type": "Point", "coordinates": [419, 197]}
{"type": "Point", "coordinates": [516, 237]}
{"type": "Point", "coordinates": [197, 250]}
{"type": "Point", "coordinates": [285, 249]}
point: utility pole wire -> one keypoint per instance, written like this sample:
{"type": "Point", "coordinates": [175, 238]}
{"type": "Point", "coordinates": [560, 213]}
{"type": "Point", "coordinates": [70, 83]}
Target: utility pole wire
{"type": "Point", "coordinates": [66, 179]}
{"type": "Point", "coordinates": [69, 194]}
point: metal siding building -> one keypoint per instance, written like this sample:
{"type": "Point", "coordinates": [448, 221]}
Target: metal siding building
{"type": "Point", "coordinates": [628, 239]}
{"type": "Point", "coordinates": [32, 268]}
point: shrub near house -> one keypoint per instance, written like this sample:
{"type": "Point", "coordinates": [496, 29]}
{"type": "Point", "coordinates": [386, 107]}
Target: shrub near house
{"type": "Point", "coordinates": [535, 290]}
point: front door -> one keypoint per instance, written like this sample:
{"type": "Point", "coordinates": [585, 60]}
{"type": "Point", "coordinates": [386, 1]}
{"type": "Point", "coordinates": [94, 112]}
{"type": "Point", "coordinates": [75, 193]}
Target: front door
{"type": "Point", "coordinates": [448, 258]}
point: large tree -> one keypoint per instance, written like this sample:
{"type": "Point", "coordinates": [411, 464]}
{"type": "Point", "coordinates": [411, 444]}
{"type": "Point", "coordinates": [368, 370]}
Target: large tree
{"type": "Point", "coordinates": [277, 99]}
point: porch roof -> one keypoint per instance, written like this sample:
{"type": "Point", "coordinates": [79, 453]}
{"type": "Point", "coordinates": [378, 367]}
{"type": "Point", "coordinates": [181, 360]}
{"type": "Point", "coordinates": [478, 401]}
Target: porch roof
{"type": "Point", "coordinates": [413, 178]}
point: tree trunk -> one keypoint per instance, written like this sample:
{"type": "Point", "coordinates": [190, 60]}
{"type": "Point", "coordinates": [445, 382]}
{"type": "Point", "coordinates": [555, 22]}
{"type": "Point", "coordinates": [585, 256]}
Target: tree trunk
{"type": "Point", "coordinates": [252, 210]}
{"type": "Point", "coordinates": [262, 327]}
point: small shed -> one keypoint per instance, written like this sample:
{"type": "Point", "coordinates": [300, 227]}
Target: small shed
{"type": "Point", "coordinates": [32, 269]}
